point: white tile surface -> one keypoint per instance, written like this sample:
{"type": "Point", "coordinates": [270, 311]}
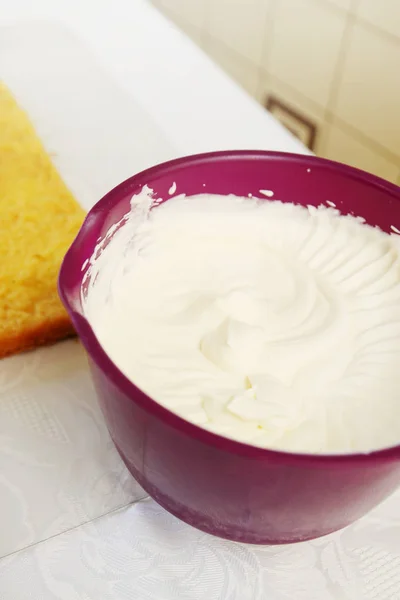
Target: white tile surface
{"type": "Point", "coordinates": [342, 146]}
{"type": "Point", "coordinates": [246, 74]}
{"type": "Point", "coordinates": [307, 36]}
{"type": "Point", "coordinates": [240, 25]}
{"type": "Point", "coordinates": [369, 94]}
{"type": "Point", "coordinates": [384, 14]}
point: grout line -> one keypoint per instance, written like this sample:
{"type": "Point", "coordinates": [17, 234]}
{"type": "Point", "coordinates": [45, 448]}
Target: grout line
{"type": "Point", "coordinates": [266, 48]}
{"type": "Point", "coordinates": [314, 106]}
{"type": "Point", "coordinates": [234, 53]}
{"type": "Point", "coordinates": [338, 9]}
{"type": "Point", "coordinates": [353, 11]}
{"type": "Point", "coordinates": [267, 42]}
{"type": "Point", "coordinates": [339, 67]}
{"type": "Point", "coordinates": [206, 16]}
{"type": "Point", "coordinates": [366, 140]}
{"type": "Point", "coordinates": [204, 41]}
{"type": "Point", "coordinates": [55, 535]}
{"type": "Point", "coordinates": [383, 33]}
{"type": "Point", "coordinates": [332, 118]}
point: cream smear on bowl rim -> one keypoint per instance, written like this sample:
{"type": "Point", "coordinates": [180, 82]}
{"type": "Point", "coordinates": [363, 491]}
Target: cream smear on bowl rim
{"type": "Point", "coordinates": [267, 322]}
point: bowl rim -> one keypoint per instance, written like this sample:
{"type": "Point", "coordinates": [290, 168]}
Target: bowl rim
{"type": "Point", "coordinates": [94, 221]}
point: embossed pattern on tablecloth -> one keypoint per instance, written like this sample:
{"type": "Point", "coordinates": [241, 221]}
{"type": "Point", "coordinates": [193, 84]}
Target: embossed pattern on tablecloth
{"type": "Point", "coordinates": [144, 553]}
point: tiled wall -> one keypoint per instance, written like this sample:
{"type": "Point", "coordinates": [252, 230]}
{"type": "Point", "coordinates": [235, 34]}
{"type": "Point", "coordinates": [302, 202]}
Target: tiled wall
{"type": "Point", "coordinates": [335, 62]}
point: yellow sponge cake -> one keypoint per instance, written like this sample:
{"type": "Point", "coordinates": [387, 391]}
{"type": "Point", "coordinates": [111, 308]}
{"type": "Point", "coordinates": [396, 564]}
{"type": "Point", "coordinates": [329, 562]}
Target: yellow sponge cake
{"type": "Point", "coordinates": [39, 218]}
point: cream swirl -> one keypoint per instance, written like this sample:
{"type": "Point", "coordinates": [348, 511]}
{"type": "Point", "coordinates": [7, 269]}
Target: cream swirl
{"type": "Point", "coordinates": [266, 322]}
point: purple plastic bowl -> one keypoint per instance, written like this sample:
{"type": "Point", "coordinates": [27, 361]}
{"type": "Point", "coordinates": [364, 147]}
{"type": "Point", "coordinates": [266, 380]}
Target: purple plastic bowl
{"type": "Point", "coordinates": [223, 487]}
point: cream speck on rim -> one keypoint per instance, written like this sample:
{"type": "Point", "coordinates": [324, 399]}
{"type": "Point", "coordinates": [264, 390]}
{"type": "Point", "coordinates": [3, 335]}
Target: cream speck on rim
{"type": "Point", "coordinates": [172, 189]}
{"type": "Point", "coordinates": [268, 193]}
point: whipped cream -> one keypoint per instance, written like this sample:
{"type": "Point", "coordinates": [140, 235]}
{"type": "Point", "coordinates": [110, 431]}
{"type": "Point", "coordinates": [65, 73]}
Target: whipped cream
{"type": "Point", "coordinates": [265, 322]}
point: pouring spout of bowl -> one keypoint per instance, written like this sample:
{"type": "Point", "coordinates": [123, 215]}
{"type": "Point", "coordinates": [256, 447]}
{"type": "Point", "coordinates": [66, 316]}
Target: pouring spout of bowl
{"type": "Point", "coordinates": [71, 275]}
{"type": "Point", "coordinates": [76, 260]}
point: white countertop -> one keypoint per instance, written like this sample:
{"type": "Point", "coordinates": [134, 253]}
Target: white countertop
{"type": "Point", "coordinates": [193, 102]}
{"type": "Point", "coordinates": [113, 87]}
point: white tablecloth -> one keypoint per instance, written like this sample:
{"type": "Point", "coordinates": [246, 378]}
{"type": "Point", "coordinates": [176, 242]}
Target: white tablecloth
{"type": "Point", "coordinates": [113, 88]}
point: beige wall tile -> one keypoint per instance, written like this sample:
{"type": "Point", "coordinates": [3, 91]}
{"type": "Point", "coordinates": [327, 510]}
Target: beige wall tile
{"type": "Point", "coordinates": [240, 24]}
{"type": "Point", "coordinates": [270, 84]}
{"type": "Point", "coordinates": [245, 73]}
{"type": "Point", "coordinates": [306, 42]}
{"type": "Point", "coordinates": [340, 145]}
{"type": "Point", "coordinates": [382, 13]}
{"type": "Point", "coordinates": [309, 110]}
{"type": "Point", "coordinates": [369, 94]}
{"type": "Point", "coordinates": [344, 4]}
